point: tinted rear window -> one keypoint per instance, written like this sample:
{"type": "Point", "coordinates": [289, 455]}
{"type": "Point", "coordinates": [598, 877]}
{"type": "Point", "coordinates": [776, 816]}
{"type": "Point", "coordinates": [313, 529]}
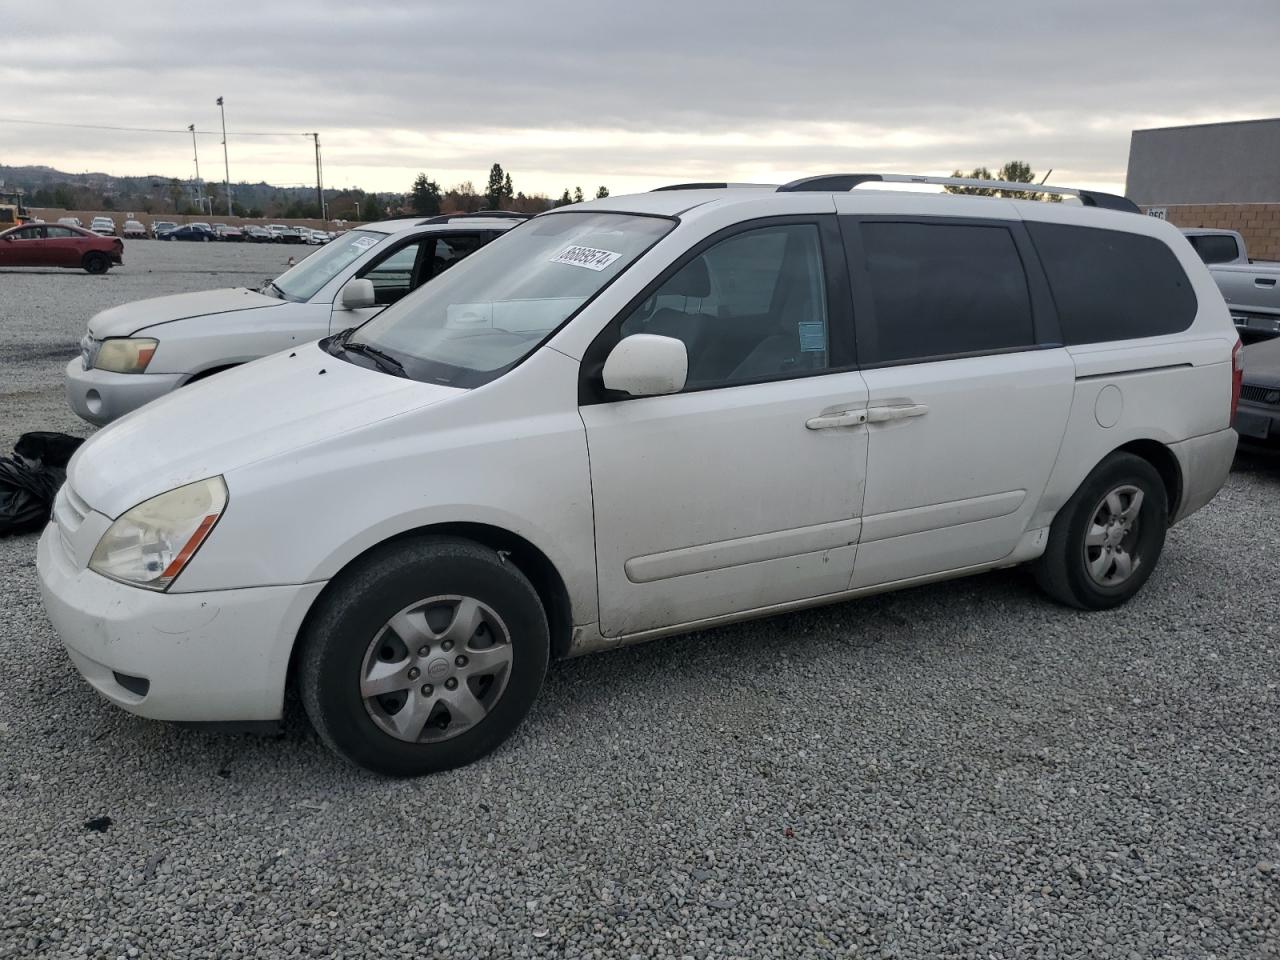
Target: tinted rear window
{"type": "Point", "coordinates": [941, 290]}
{"type": "Point", "coordinates": [1215, 248]}
{"type": "Point", "coordinates": [1110, 285]}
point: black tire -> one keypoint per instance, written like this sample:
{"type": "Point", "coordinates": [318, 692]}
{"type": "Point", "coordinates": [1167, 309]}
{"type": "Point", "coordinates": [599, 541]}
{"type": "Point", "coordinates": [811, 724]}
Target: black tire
{"type": "Point", "coordinates": [360, 603]}
{"type": "Point", "coordinates": [96, 263]}
{"type": "Point", "coordinates": [1063, 572]}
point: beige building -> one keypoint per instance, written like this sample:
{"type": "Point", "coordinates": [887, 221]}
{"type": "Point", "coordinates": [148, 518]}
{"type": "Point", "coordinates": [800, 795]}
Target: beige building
{"type": "Point", "coordinates": [1223, 175]}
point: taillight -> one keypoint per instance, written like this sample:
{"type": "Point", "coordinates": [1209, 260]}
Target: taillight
{"type": "Point", "coordinates": [1237, 375]}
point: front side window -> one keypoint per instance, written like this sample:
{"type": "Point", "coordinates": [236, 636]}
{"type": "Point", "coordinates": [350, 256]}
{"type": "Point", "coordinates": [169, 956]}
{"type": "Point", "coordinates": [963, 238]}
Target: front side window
{"type": "Point", "coordinates": [414, 264]}
{"type": "Point", "coordinates": [489, 312]}
{"type": "Point", "coordinates": [942, 289]}
{"type": "Point", "coordinates": [399, 273]}
{"type": "Point", "coordinates": [28, 233]}
{"type": "Point", "coordinates": [452, 248]}
{"type": "Point", "coordinates": [303, 281]}
{"type": "Point", "coordinates": [752, 307]}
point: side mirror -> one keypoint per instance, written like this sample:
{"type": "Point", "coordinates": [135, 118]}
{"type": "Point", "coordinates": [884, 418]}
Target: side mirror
{"type": "Point", "coordinates": [357, 293]}
{"type": "Point", "coordinates": [646, 365]}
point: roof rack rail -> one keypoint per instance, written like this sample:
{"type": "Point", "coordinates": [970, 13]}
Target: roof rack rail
{"type": "Point", "coordinates": [484, 214]}
{"type": "Point", "coordinates": [847, 181]}
{"type": "Point", "coordinates": [706, 186]}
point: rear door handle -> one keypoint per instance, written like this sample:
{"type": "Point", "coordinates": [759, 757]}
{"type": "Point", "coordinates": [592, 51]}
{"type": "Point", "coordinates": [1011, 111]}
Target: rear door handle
{"type": "Point", "coordinates": [1264, 281]}
{"type": "Point", "coordinates": [902, 412]}
{"type": "Point", "coordinates": [842, 418]}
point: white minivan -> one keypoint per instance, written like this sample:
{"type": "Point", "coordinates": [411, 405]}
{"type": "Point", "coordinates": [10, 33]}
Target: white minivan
{"type": "Point", "coordinates": [640, 416]}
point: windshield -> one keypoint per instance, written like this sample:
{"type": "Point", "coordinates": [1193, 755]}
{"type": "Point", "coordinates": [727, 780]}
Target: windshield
{"type": "Point", "coordinates": [302, 282]}
{"type": "Point", "coordinates": [484, 315]}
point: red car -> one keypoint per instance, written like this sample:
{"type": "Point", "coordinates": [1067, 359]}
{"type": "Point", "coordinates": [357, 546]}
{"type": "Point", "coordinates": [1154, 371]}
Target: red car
{"type": "Point", "coordinates": [56, 245]}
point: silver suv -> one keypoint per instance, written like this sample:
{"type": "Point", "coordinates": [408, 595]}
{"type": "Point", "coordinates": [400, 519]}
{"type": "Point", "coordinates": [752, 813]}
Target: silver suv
{"type": "Point", "coordinates": [139, 351]}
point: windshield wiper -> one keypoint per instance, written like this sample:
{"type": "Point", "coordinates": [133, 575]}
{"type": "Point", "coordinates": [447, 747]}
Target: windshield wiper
{"type": "Point", "coordinates": [383, 361]}
{"type": "Point", "coordinates": [270, 285]}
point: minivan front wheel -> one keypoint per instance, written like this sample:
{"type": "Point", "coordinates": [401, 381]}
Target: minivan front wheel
{"type": "Point", "coordinates": [1106, 540]}
{"type": "Point", "coordinates": [423, 657]}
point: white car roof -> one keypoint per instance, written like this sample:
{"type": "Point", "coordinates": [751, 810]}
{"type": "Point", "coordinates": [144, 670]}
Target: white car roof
{"type": "Point", "coordinates": [401, 224]}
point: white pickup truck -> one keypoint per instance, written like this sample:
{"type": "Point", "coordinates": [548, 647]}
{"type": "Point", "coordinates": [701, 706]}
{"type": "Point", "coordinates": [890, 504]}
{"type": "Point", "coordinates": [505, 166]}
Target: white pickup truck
{"type": "Point", "coordinates": [1251, 289]}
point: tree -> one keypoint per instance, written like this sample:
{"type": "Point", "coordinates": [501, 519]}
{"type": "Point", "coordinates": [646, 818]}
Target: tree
{"type": "Point", "coordinates": [565, 199]}
{"type": "Point", "coordinates": [577, 195]}
{"type": "Point", "coordinates": [424, 197]}
{"type": "Point", "coordinates": [601, 192]}
{"type": "Point", "coordinates": [464, 198]}
{"type": "Point", "coordinates": [1015, 171]}
{"type": "Point", "coordinates": [496, 190]}
{"type": "Point", "coordinates": [508, 192]}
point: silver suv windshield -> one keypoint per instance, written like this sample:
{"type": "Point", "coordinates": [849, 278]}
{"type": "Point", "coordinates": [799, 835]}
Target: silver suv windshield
{"type": "Point", "coordinates": [489, 312]}
{"type": "Point", "coordinates": [301, 282]}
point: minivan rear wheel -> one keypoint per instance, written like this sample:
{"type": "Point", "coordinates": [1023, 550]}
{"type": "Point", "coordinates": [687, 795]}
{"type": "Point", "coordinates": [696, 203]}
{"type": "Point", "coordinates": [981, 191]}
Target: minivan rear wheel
{"type": "Point", "coordinates": [424, 656]}
{"type": "Point", "coordinates": [1106, 540]}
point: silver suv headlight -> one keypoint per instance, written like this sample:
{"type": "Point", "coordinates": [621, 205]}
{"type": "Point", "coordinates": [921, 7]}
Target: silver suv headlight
{"type": "Point", "coordinates": [149, 545]}
{"type": "Point", "coordinates": [125, 354]}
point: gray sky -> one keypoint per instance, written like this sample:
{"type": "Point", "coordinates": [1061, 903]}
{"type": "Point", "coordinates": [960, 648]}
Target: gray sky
{"type": "Point", "coordinates": [628, 94]}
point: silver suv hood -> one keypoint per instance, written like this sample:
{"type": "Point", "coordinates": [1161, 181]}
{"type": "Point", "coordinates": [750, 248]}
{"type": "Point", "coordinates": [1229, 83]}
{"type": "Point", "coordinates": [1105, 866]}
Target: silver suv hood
{"type": "Point", "coordinates": [129, 318]}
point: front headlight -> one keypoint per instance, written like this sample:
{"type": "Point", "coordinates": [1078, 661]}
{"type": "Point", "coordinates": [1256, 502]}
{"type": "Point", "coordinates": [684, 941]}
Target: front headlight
{"type": "Point", "coordinates": [149, 545]}
{"type": "Point", "coordinates": [125, 354]}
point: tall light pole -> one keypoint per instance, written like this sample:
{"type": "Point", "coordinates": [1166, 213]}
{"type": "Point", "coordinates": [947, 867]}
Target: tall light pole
{"type": "Point", "coordinates": [195, 153]}
{"type": "Point", "coordinates": [319, 178]}
{"type": "Point", "coordinates": [225, 161]}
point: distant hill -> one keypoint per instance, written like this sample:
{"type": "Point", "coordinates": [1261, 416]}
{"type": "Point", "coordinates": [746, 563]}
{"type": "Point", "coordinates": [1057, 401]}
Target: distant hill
{"type": "Point", "coordinates": [49, 188]}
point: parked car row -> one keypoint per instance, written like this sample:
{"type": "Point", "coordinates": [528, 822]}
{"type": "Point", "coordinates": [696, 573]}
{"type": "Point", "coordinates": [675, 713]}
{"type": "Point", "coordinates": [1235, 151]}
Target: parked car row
{"type": "Point", "coordinates": [275, 233]}
{"type": "Point", "coordinates": [621, 420]}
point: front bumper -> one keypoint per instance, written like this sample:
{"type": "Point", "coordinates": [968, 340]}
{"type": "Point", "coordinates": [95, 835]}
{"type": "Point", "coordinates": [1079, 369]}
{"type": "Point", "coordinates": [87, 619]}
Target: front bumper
{"type": "Point", "coordinates": [100, 396]}
{"type": "Point", "coordinates": [218, 656]}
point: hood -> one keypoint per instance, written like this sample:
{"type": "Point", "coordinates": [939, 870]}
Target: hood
{"type": "Point", "coordinates": [260, 410]}
{"type": "Point", "coordinates": [129, 318]}
{"type": "Point", "coordinates": [1262, 363]}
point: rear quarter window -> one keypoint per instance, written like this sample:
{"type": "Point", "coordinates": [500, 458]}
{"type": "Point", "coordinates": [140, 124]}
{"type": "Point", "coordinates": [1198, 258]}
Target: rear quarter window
{"type": "Point", "coordinates": [1112, 285]}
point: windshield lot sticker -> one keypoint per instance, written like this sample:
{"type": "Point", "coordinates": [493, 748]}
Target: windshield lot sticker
{"type": "Point", "coordinates": [364, 243]}
{"type": "Point", "coordinates": [588, 257]}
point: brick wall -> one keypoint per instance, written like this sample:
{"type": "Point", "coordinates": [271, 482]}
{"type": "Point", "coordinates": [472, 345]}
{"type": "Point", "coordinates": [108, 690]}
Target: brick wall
{"type": "Point", "coordinates": [1258, 223]}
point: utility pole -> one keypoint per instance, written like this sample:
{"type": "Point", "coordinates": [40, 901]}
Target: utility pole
{"type": "Point", "coordinates": [225, 161]}
{"type": "Point", "coordinates": [319, 180]}
{"type": "Point", "coordinates": [195, 153]}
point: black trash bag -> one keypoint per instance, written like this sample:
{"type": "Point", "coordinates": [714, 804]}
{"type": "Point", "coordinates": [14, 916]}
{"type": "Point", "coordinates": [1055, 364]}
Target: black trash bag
{"type": "Point", "coordinates": [48, 448]}
{"type": "Point", "coordinates": [29, 480]}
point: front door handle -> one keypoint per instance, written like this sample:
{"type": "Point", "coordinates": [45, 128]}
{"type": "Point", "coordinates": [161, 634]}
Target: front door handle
{"type": "Point", "coordinates": [841, 418]}
{"type": "Point", "coordinates": [901, 412]}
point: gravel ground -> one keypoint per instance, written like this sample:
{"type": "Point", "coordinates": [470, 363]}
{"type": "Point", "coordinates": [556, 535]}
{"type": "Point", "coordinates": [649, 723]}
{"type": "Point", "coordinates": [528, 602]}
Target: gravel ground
{"type": "Point", "coordinates": [961, 770]}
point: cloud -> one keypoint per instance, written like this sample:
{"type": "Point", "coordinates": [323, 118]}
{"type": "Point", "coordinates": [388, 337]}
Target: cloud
{"type": "Point", "coordinates": [630, 95]}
